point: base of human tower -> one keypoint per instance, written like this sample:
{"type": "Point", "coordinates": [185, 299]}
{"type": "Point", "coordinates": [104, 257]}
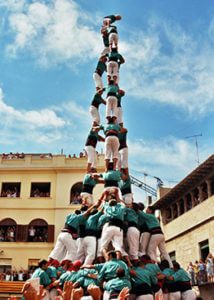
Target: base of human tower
{"type": "Point", "coordinates": [108, 248]}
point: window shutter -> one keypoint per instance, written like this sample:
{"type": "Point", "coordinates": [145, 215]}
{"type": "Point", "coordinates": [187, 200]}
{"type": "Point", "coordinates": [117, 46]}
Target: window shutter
{"type": "Point", "coordinates": [51, 229]}
{"type": "Point", "coordinates": [21, 233]}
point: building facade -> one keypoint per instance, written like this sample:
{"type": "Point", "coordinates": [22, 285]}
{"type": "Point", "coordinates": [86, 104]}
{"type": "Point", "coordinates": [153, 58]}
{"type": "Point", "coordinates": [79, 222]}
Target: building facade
{"type": "Point", "coordinates": [187, 215]}
{"type": "Point", "coordinates": [37, 193]}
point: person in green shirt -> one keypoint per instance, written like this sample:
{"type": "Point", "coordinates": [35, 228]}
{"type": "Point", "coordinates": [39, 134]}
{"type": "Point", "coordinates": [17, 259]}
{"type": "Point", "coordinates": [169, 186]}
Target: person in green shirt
{"type": "Point", "coordinates": [111, 100]}
{"type": "Point", "coordinates": [111, 131]}
{"type": "Point", "coordinates": [94, 107]}
{"type": "Point", "coordinates": [111, 19]}
{"type": "Point", "coordinates": [115, 285]}
{"type": "Point", "coordinates": [115, 59]}
{"type": "Point", "coordinates": [113, 233]}
{"type": "Point", "coordinates": [66, 241]}
{"type": "Point", "coordinates": [90, 240]}
{"type": "Point", "coordinates": [170, 287]}
{"type": "Point", "coordinates": [120, 94]}
{"type": "Point", "coordinates": [157, 239]}
{"type": "Point", "coordinates": [141, 282]}
{"type": "Point", "coordinates": [90, 148]}
{"type": "Point", "coordinates": [133, 233]}
{"type": "Point", "coordinates": [87, 190]}
{"type": "Point", "coordinates": [100, 69]}
{"type": "Point", "coordinates": [183, 280]}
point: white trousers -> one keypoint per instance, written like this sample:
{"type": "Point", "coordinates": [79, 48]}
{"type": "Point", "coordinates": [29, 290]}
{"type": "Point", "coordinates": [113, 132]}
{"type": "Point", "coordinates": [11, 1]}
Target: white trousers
{"type": "Point", "coordinates": [111, 106]}
{"type": "Point", "coordinates": [89, 246]}
{"type": "Point", "coordinates": [133, 236]}
{"type": "Point", "coordinates": [174, 296]}
{"type": "Point", "coordinates": [92, 156]}
{"type": "Point", "coordinates": [144, 241]}
{"type": "Point", "coordinates": [111, 147]}
{"type": "Point", "coordinates": [113, 38]}
{"type": "Point", "coordinates": [112, 234]}
{"type": "Point", "coordinates": [188, 295]}
{"type": "Point", "coordinates": [128, 198]}
{"type": "Point", "coordinates": [80, 250]}
{"type": "Point", "coordinates": [145, 297]}
{"type": "Point", "coordinates": [98, 80]}
{"type": "Point", "coordinates": [123, 158]}
{"type": "Point", "coordinates": [119, 115]}
{"type": "Point", "coordinates": [94, 114]}
{"type": "Point", "coordinates": [158, 241]}
{"type": "Point", "coordinates": [66, 242]}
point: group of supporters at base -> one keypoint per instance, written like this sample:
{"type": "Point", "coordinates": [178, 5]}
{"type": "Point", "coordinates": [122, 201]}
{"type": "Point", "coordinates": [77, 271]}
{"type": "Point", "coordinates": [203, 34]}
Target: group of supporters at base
{"type": "Point", "coordinates": [145, 280]}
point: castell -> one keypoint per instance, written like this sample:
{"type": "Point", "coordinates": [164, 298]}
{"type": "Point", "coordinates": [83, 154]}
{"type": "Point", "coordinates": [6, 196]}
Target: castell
{"type": "Point", "coordinates": [108, 247]}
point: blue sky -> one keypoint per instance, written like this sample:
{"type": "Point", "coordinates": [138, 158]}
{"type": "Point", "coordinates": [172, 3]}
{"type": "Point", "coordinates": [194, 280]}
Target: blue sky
{"type": "Point", "coordinates": [49, 50]}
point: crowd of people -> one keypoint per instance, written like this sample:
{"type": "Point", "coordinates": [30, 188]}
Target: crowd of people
{"type": "Point", "coordinates": [14, 275]}
{"type": "Point", "coordinates": [202, 271]}
{"type": "Point", "coordinates": [7, 234]}
{"type": "Point", "coordinates": [13, 155]}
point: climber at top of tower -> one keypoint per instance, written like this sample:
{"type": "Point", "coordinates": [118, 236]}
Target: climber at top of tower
{"type": "Point", "coordinates": [111, 19]}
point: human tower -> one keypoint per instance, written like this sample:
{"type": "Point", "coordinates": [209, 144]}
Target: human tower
{"type": "Point", "coordinates": [90, 232]}
{"type": "Point", "coordinates": [114, 222]}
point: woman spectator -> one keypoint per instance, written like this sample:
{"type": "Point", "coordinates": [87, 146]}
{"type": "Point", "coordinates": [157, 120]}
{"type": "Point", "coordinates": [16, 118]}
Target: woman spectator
{"type": "Point", "coordinates": [210, 268]}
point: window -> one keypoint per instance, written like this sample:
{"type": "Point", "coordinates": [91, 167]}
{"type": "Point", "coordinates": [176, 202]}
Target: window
{"type": "Point", "coordinates": [5, 267]}
{"type": "Point", "coordinates": [196, 197]}
{"type": "Point", "coordinates": [32, 264]}
{"type": "Point", "coordinates": [188, 202]}
{"type": "Point", "coordinates": [10, 189]}
{"type": "Point", "coordinates": [75, 192]}
{"type": "Point", "coordinates": [181, 206]}
{"type": "Point", "coordinates": [172, 255]}
{"type": "Point", "coordinates": [8, 230]}
{"type": "Point", "coordinates": [38, 231]}
{"type": "Point", "coordinates": [204, 249]}
{"type": "Point", "coordinates": [175, 211]}
{"type": "Point", "coordinates": [40, 189]}
{"type": "Point", "coordinates": [204, 191]}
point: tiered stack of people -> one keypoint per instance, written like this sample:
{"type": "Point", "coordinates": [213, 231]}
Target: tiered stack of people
{"type": "Point", "coordinates": [111, 244]}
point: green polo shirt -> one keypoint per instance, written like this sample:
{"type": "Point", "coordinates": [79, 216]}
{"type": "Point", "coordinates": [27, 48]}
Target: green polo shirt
{"type": "Point", "coordinates": [84, 280]}
{"type": "Point", "coordinates": [52, 272]}
{"type": "Point", "coordinates": [111, 88]}
{"type": "Point", "coordinates": [109, 269]}
{"type": "Point", "coordinates": [89, 180]}
{"type": "Point", "coordinates": [142, 276]}
{"type": "Point", "coordinates": [131, 216]}
{"type": "Point", "coordinates": [125, 185]}
{"type": "Point", "coordinates": [111, 126]}
{"type": "Point", "coordinates": [111, 17]}
{"type": "Point", "coordinates": [92, 221]}
{"type": "Point", "coordinates": [43, 276]}
{"type": "Point", "coordinates": [64, 277]}
{"type": "Point", "coordinates": [117, 284]}
{"type": "Point", "coordinates": [101, 67]}
{"type": "Point", "coordinates": [92, 138]}
{"type": "Point", "coordinates": [74, 220]}
{"type": "Point", "coordinates": [150, 220]}
{"type": "Point", "coordinates": [154, 270]}
{"type": "Point", "coordinates": [97, 100]}
{"type": "Point", "coordinates": [112, 175]}
{"type": "Point", "coordinates": [116, 212]}
{"type": "Point", "coordinates": [181, 275]}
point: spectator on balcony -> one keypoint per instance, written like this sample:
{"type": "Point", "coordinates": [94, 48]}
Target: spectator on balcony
{"type": "Point", "coordinates": [31, 234]}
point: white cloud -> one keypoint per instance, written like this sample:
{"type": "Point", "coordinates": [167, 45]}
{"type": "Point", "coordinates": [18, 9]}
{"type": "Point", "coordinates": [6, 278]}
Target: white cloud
{"type": "Point", "coordinates": [54, 33]}
{"type": "Point", "coordinates": [170, 158]}
{"type": "Point", "coordinates": [171, 66]}
{"type": "Point", "coordinates": [34, 119]}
